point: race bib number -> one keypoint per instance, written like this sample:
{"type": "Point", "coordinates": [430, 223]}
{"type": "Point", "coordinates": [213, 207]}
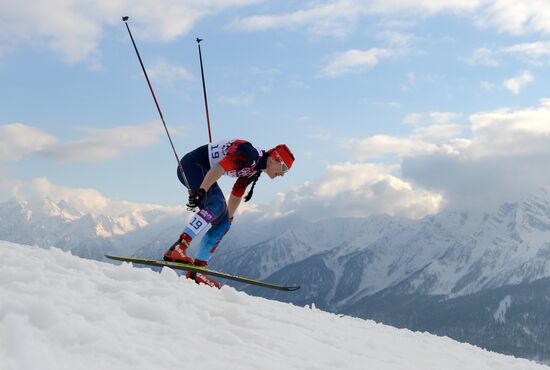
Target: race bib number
{"type": "Point", "coordinates": [200, 221]}
{"type": "Point", "coordinates": [215, 152]}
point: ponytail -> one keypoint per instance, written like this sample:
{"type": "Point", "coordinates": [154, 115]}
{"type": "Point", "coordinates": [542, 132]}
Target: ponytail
{"type": "Point", "coordinates": [255, 179]}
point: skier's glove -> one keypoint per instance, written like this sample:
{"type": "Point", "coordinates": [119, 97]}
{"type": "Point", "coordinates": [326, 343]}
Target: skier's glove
{"type": "Point", "coordinates": [195, 199]}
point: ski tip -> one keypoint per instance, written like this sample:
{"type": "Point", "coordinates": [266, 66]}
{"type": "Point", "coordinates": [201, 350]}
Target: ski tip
{"type": "Point", "coordinates": [291, 288]}
{"type": "Point", "coordinates": [116, 258]}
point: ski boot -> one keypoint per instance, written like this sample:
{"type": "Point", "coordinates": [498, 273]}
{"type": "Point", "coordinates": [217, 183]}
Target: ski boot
{"type": "Point", "coordinates": [178, 251]}
{"type": "Point", "coordinates": [201, 278]}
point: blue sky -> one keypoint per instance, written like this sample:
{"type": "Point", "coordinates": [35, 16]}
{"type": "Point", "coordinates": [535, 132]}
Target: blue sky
{"type": "Point", "coordinates": [400, 107]}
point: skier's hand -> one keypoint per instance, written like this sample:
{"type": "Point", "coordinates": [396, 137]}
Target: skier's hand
{"type": "Point", "coordinates": [195, 199]}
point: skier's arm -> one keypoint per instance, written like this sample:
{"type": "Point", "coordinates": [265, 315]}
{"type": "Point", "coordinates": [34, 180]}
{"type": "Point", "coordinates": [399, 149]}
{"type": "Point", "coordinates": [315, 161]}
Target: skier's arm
{"type": "Point", "coordinates": [211, 177]}
{"type": "Point", "coordinates": [233, 204]}
{"type": "Point", "coordinates": [237, 195]}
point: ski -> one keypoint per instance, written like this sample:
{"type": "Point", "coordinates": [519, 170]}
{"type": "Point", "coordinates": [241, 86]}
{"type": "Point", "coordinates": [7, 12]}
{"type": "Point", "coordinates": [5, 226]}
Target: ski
{"type": "Point", "coordinates": [193, 268]}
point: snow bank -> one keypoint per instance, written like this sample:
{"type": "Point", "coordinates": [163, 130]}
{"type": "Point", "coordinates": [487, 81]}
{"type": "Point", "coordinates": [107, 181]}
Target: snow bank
{"type": "Point", "coordinates": [58, 311]}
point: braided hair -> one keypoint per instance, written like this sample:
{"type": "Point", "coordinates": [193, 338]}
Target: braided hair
{"type": "Point", "coordinates": [255, 179]}
{"type": "Point", "coordinates": [251, 191]}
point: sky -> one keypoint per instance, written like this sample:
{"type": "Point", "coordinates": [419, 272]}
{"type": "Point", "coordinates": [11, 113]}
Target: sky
{"type": "Point", "coordinates": [77, 314]}
{"type": "Point", "coordinates": [399, 107]}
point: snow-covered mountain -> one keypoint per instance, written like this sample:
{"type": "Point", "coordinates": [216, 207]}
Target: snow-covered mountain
{"type": "Point", "coordinates": [58, 311]}
{"type": "Point", "coordinates": [449, 254]}
{"type": "Point", "coordinates": [84, 232]}
{"type": "Point", "coordinates": [365, 267]}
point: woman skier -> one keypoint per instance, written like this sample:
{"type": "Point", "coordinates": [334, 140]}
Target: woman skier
{"type": "Point", "coordinates": [203, 167]}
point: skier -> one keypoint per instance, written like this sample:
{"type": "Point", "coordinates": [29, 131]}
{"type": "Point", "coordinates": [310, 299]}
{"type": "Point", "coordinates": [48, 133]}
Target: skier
{"type": "Point", "coordinates": [203, 167]}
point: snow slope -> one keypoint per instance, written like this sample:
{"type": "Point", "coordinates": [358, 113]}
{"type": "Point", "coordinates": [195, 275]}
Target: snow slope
{"type": "Point", "coordinates": [58, 311]}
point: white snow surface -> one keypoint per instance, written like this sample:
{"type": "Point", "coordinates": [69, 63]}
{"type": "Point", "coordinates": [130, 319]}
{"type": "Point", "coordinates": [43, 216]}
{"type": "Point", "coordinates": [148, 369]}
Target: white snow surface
{"type": "Point", "coordinates": [503, 306]}
{"type": "Point", "coordinates": [58, 311]}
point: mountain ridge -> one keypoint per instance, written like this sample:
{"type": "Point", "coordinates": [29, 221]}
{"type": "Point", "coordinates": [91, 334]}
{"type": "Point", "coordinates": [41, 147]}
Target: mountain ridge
{"type": "Point", "coordinates": [378, 267]}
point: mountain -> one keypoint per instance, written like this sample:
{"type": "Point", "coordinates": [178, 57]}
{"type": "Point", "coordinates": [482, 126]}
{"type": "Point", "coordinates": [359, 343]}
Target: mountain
{"type": "Point", "coordinates": [89, 234]}
{"type": "Point", "coordinates": [399, 271]}
{"type": "Point", "coordinates": [510, 319]}
{"type": "Point", "coordinates": [62, 312]}
{"type": "Point", "coordinates": [447, 274]}
{"type": "Point", "coordinates": [451, 254]}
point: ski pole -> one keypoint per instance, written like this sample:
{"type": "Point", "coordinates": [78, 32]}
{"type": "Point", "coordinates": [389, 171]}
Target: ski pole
{"type": "Point", "coordinates": [125, 20]}
{"type": "Point", "coordinates": [204, 91]}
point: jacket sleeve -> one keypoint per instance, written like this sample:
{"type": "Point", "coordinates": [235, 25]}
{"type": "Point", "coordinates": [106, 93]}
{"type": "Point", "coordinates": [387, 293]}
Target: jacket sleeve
{"type": "Point", "coordinates": [240, 186]}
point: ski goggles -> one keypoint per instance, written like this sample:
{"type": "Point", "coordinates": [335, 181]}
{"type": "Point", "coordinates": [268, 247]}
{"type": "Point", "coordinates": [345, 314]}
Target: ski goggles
{"type": "Point", "coordinates": [282, 154]}
{"type": "Point", "coordinates": [284, 167]}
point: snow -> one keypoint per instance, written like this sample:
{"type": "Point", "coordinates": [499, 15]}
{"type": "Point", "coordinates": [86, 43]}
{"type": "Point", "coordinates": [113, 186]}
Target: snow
{"type": "Point", "coordinates": [58, 311]}
{"type": "Point", "coordinates": [503, 306]}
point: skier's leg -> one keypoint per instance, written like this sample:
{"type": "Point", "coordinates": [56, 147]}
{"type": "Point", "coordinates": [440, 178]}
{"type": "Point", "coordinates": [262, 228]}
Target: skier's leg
{"type": "Point", "coordinates": [212, 239]}
{"type": "Point", "coordinates": [213, 210]}
{"type": "Point", "coordinates": [194, 174]}
{"type": "Point", "coordinates": [216, 207]}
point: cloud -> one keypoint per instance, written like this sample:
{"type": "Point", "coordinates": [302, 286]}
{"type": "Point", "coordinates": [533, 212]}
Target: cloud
{"type": "Point", "coordinates": [423, 140]}
{"type": "Point", "coordinates": [357, 190]}
{"type": "Point", "coordinates": [383, 145]}
{"type": "Point", "coordinates": [320, 133]}
{"type": "Point", "coordinates": [104, 144]}
{"type": "Point", "coordinates": [241, 99]}
{"type": "Point", "coordinates": [430, 118]}
{"type": "Point", "coordinates": [18, 140]}
{"type": "Point", "coordinates": [508, 132]}
{"type": "Point", "coordinates": [516, 17]}
{"type": "Point", "coordinates": [355, 60]}
{"type": "Point", "coordinates": [412, 79]}
{"type": "Point", "coordinates": [396, 39]}
{"type": "Point", "coordinates": [505, 158]}
{"type": "Point", "coordinates": [364, 187]}
{"type": "Point", "coordinates": [443, 117]}
{"type": "Point", "coordinates": [340, 17]}
{"type": "Point", "coordinates": [384, 104]}
{"type": "Point", "coordinates": [412, 119]}
{"type": "Point", "coordinates": [84, 200]}
{"type": "Point", "coordinates": [438, 132]}
{"type": "Point", "coordinates": [166, 73]}
{"type": "Point", "coordinates": [74, 29]}
{"type": "Point", "coordinates": [423, 7]}
{"type": "Point", "coordinates": [533, 51]}
{"type": "Point", "coordinates": [334, 18]}
{"type": "Point", "coordinates": [501, 155]}
{"type": "Point", "coordinates": [516, 84]}
{"type": "Point", "coordinates": [477, 184]}
{"type": "Point", "coordinates": [483, 56]}
{"type": "Point", "coordinates": [486, 85]}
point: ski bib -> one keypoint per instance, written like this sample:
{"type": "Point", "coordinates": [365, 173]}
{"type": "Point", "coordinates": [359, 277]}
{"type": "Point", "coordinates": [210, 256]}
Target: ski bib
{"type": "Point", "coordinates": [221, 149]}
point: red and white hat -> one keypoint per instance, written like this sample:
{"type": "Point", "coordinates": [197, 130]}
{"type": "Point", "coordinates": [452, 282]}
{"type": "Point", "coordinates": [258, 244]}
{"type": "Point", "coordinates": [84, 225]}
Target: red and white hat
{"type": "Point", "coordinates": [282, 153]}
